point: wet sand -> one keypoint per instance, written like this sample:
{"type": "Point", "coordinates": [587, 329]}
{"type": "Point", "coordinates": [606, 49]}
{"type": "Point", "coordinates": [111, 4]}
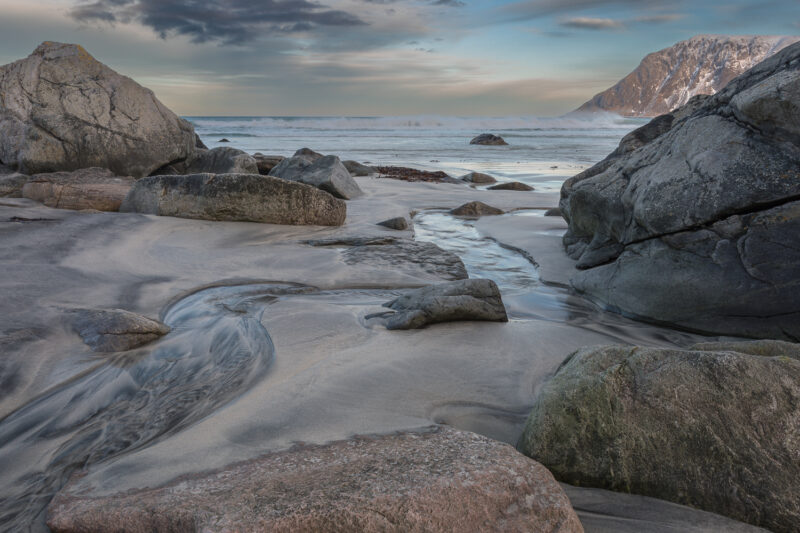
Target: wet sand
{"type": "Point", "coordinates": [317, 369]}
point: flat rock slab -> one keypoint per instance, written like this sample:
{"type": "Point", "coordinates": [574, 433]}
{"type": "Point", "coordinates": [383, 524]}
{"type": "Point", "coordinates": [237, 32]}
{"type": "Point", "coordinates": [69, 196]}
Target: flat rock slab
{"type": "Point", "coordinates": [414, 175]}
{"type": "Point", "coordinates": [475, 209]}
{"type": "Point", "coordinates": [511, 186]}
{"type": "Point", "coordinates": [488, 139]}
{"type": "Point", "coordinates": [435, 480]}
{"type": "Point", "coordinates": [88, 188]}
{"type": "Point", "coordinates": [116, 330]}
{"type": "Point", "coordinates": [469, 299]}
{"type": "Point", "coordinates": [235, 197]}
{"type": "Point", "coordinates": [714, 427]}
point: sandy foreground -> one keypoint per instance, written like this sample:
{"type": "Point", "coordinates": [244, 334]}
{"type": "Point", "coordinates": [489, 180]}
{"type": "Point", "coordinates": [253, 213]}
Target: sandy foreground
{"type": "Point", "coordinates": [334, 373]}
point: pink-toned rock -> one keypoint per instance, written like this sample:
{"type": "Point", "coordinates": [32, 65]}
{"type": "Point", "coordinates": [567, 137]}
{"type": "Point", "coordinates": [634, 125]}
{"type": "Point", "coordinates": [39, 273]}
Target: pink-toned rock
{"type": "Point", "coordinates": [88, 188]}
{"type": "Point", "coordinates": [435, 480]}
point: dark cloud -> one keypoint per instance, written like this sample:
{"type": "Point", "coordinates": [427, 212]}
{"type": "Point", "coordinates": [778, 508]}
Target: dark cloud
{"type": "Point", "coordinates": [449, 3]}
{"type": "Point", "coordinates": [590, 23]}
{"type": "Point", "coordinates": [224, 21]}
{"type": "Point", "coordinates": [530, 9]}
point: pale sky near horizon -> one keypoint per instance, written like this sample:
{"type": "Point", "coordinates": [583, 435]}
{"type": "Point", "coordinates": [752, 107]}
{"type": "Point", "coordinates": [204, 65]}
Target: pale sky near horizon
{"type": "Point", "coordinates": [378, 57]}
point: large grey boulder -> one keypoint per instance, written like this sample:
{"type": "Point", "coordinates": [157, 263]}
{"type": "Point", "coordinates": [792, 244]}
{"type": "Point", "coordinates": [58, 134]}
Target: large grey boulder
{"type": "Point", "coordinates": [694, 219]}
{"type": "Point", "coordinates": [116, 330]}
{"type": "Point", "coordinates": [63, 110]}
{"type": "Point", "coordinates": [469, 299]}
{"type": "Point", "coordinates": [222, 160]}
{"type": "Point", "coordinates": [715, 427]}
{"type": "Point", "coordinates": [236, 197]}
{"type": "Point", "coordinates": [87, 188]}
{"type": "Point", "coordinates": [325, 172]}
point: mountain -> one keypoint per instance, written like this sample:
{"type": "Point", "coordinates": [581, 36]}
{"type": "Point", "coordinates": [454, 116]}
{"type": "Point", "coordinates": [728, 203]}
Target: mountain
{"type": "Point", "coordinates": [667, 79]}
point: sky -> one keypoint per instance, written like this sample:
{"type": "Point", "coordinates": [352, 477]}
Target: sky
{"type": "Point", "coordinates": [378, 57]}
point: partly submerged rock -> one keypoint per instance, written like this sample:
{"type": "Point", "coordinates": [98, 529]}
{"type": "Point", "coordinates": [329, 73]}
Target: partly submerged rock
{"type": "Point", "coordinates": [511, 186]}
{"type": "Point", "coordinates": [266, 163]}
{"type": "Point", "coordinates": [708, 200]}
{"type": "Point", "coordinates": [433, 480]}
{"type": "Point", "coordinates": [115, 330]}
{"type": "Point", "coordinates": [715, 427]}
{"type": "Point", "coordinates": [357, 169]}
{"type": "Point", "coordinates": [397, 223]}
{"type": "Point", "coordinates": [325, 172]}
{"type": "Point", "coordinates": [11, 184]}
{"type": "Point", "coordinates": [469, 299]}
{"type": "Point", "coordinates": [478, 178]}
{"type": "Point", "coordinates": [414, 175]}
{"type": "Point", "coordinates": [88, 188]}
{"type": "Point", "coordinates": [475, 209]}
{"type": "Point", "coordinates": [237, 197]}
{"type": "Point", "coordinates": [553, 212]}
{"type": "Point", "coordinates": [222, 160]}
{"type": "Point", "coordinates": [64, 110]}
{"type": "Point", "coordinates": [488, 139]}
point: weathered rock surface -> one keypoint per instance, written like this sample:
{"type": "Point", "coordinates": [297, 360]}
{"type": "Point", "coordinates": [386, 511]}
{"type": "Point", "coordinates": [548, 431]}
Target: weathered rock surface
{"type": "Point", "coordinates": [236, 197]}
{"type": "Point", "coordinates": [714, 427]}
{"type": "Point", "coordinates": [266, 163]}
{"type": "Point", "coordinates": [115, 330]}
{"type": "Point", "coordinates": [488, 139]}
{"type": "Point", "coordinates": [324, 172]}
{"type": "Point", "coordinates": [511, 186]}
{"type": "Point", "coordinates": [11, 184]}
{"type": "Point", "coordinates": [397, 223]}
{"type": "Point", "coordinates": [434, 480]}
{"type": "Point", "coordinates": [469, 299]}
{"type": "Point", "coordinates": [358, 169]}
{"type": "Point", "coordinates": [88, 188]}
{"type": "Point", "coordinates": [478, 178]}
{"type": "Point", "coordinates": [222, 160]}
{"type": "Point", "coordinates": [63, 110]}
{"type": "Point", "coordinates": [669, 78]}
{"type": "Point", "coordinates": [708, 200]}
{"type": "Point", "coordinates": [475, 209]}
{"type": "Point", "coordinates": [414, 175]}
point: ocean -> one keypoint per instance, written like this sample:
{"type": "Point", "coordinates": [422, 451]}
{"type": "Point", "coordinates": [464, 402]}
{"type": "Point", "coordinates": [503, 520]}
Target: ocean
{"type": "Point", "coordinates": [541, 151]}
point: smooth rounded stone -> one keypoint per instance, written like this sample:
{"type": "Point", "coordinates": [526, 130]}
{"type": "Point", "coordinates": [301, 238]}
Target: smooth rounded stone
{"type": "Point", "coordinates": [87, 188]}
{"type": "Point", "coordinates": [469, 299]}
{"type": "Point", "coordinates": [357, 169]}
{"type": "Point", "coordinates": [235, 197]}
{"type": "Point", "coordinates": [553, 212]}
{"type": "Point", "coordinates": [706, 198]}
{"type": "Point", "coordinates": [397, 223]}
{"type": "Point", "coordinates": [434, 480]}
{"type": "Point", "coordinates": [478, 178]}
{"type": "Point", "coordinates": [325, 172]}
{"type": "Point", "coordinates": [714, 427]}
{"type": "Point", "coordinates": [511, 186]}
{"type": "Point", "coordinates": [488, 139]}
{"type": "Point", "coordinates": [266, 163]}
{"type": "Point", "coordinates": [64, 110]}
{"type": "Point", "coordinates": [116, 330]}
{"type": "Point", "coordinates": [11, 184]}
{"type": "Point", "coordinates": [475, 209]}
{"type": "Point", "coordinates": [222, 160]}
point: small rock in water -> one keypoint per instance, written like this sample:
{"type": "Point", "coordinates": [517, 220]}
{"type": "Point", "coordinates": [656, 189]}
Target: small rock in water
{"type": "Point", "coordinates": [398, 223]}
{"type": "Point", "coordinates": [554, 212]}
{"type": "Point", "coordinates": [489, 139]}
{"type": "Point", "coordinates": [475, 209]}
{"type": "Point", "coordinates": [116, 330]}
{"type": "Point", "coordinates": [223, 141]}
{"type": "Point", "coordinates": [469, 299]}
{"type": "Point", "coordinates": [357, 169]}
{"type": "Point", "coordinates": [511, 186]}
{"type": "Point", "coordinates": [554, 166]}
{"type": "Point", "coordinates": [478, 177]}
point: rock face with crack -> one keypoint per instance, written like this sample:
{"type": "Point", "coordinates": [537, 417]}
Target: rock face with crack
{"type": "Point", "coordinates": [435, 480]}
{"type": "Point", "coordinates": [64, 110]}
{"type": "Point", "coordinates": [715, 427]}
{"type": "Point", "coordinates": [116, 330]}
{"type": "Point", "coordinates": [88, 188]}
{"type": "Point", "coordinates": [324, 172]}
{"type": "Point", "coordinates": [235, 197]}
{"type": "Point", "coordinates": [694, 220]}
{"type": "Point", "coordinates": [469, 299]}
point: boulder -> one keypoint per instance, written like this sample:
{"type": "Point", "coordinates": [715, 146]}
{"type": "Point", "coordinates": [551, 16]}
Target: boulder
{"type": "Point", "coordinates": [708, 199]}
{"type": "Point", "coordinates": [431, 480]}
{"type": "Point", "coordinates": [357, 169]}
{"type": "Point", "coordinates": [222, 160]}
{"type": "Point", "coordinates": [115, 330]}
{"type": "Point", "coordinates": [488, 139]}
{"type": "Point", "coordinates": [88, 188]}
{"type": "Point", "coordinates": [469, 299]}
{"type": "Point", "coordinates": [714, 427]}
{"type": "Point", "coordinates": [223, 140]}
{"type": "Point", "coordinates": [198, 143]}
{"type": "Point", "coordinates": [478, 178]}
{"type": "Point", "coordinates": [11, 184]}
{"type": "Point", "coordinates": [475, 209]}
{"type": "Point", "coordinates": [237, 197]}
{"type": "Point", "coordinates": [511, 186]}
{"type": "Point", "coordinates": [414, 175]}
{"type": "Point", "coordinates": [397, 223]}
{"type": "Point", "coordinates": [324, 172]}
{"type": "Point", "coordinates": [266, 163]}
{"type": "Point", "coordinates": [64, 110]}
{"type": "Point", "coordinates": [309, 154]}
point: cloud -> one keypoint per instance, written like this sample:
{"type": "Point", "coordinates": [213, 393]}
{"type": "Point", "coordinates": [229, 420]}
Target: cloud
{"type": "Point", "coordinates": [660, 18]}
{"type": "Point", "coordinates": [530, 9]}
{"type": "Point", "coordinates": [590, 23]}
{"type": "Point", "coordinates": [227, 22]}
